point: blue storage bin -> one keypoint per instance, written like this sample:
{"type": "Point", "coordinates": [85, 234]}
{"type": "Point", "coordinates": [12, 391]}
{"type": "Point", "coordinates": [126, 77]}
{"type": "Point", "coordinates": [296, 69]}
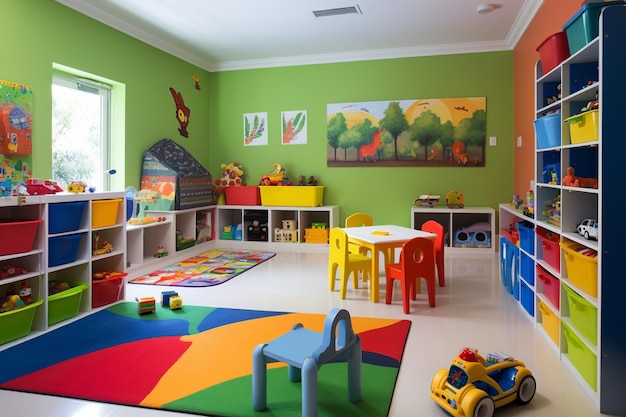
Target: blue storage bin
{"type": "Point", "coordinates": [65, 217]}
{"type": "Point", "coordinates": [526, 237]}
{"type": "Point", "coordinates": [509, 265]}
{"type": "Point", "coordinates": [527, 269]}
{"type": "Point", "coordinates": [548, 131]}
{"type": "Point", "coordinates": [527, 298]}
{"type": "Point", "coordinates": [63, 249]}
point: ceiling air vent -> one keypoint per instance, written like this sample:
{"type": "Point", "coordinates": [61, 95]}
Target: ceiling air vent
{"type": "Point", "coordinates": [338, 11]}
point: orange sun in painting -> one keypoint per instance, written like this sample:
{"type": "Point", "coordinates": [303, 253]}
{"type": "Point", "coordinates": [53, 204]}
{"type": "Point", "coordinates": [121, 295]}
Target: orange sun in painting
{"type": "Point", "coordinates": [453, 109]}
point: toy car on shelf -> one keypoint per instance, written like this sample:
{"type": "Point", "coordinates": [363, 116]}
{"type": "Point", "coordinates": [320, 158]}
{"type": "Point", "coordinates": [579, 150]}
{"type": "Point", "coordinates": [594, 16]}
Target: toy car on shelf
{"type": "Point", "coordinates": [588, 228]}
{"type": "Point", "coordinates": [427, 200]}
{"type": "Point", "coordinates": [474, 386]}
{"type": "Point", "coordinates": [35, 186]}
{"type": "Point", "coordinates": [455, 198]}
{"type": "Point", "coordinates": [7, 271]}
{"type": "Point", "coordinates": [77, 187]}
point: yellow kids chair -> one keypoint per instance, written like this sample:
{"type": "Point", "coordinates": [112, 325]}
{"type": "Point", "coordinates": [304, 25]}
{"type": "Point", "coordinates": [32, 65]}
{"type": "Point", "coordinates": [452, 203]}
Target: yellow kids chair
{"type": "Point", "coordinates": [348, 263]}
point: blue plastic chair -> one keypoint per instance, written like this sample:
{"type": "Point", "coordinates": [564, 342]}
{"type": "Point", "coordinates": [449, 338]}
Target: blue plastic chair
{"type": "Point", "coordinates": [305, 351]}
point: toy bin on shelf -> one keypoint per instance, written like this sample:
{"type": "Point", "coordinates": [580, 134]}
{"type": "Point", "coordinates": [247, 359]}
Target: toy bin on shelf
{"type": "Point", "coordinates": [63, 249]}
{"type": "Point", "coordinates": [526, 237]}
{"type": "Point", "coordinates": [553, 51]}
{"type": "Point", "coordinates": [583, 127]}
{"type": "Point", "coordinates": [15, 324]}
{"type": "Point", "coordinates": [104, 212]}
{"type": "Point", "coordinates": [550, 286]}
{"type": "Point", "coordinates": [583, 314]}
{"type": "Point", "coordinates": [106, 291]}
{"type": "Point", "coordinates": [551, 253]}
{"type": "Point", "coordinates": [296, 195]}
{"type": "Point", "coordinates": [581, 265]}
{"type": "Point", "coordinates": [65, 217]}
{"type": "Point", "coordinates": [17, 235]}
{"type": "Point", "coordinates": [583, 27]}
{"type": "Point", "coordinates": [245, 195]}
{"type": "Point", "coordinates": [549, 322]}
{"type": "Point", "coordinates": [583, 358]}
{"type": "Point", "coordinates": [548, 131]}
{"type": "Point", "coordinates": [65, 304]}
{"type": "Point", "coordinates": [527, 298]}
{"type": "Point", "coordinates": [526, 268]}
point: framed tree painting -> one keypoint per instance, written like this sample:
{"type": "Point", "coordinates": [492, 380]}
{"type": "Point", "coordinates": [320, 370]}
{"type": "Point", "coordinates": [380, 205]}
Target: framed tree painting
{"type": "Point", "coordinates": [422, 132]}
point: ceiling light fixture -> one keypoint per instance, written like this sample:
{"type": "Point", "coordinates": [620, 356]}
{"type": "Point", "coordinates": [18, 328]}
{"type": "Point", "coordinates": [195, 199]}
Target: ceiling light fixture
{"type": "Point", "coordinates": [486, 8]}
{"type": "Point", "coordinates": [338, 11]}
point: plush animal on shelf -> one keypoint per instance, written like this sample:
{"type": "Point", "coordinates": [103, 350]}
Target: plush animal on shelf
{"type": "Point", "coordinates": [232, 175]}
{"type": "Point", "coordinates": [570, 180]}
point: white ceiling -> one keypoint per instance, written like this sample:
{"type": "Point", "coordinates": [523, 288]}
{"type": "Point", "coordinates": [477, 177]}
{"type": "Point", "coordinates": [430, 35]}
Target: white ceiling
{"type": "Point", "coordinates": [220, 35]}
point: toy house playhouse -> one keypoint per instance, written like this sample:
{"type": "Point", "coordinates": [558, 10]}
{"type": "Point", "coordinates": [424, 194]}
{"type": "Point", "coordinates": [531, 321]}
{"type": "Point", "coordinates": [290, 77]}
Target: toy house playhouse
{"type": "Point", "coordinates": [176, 177]}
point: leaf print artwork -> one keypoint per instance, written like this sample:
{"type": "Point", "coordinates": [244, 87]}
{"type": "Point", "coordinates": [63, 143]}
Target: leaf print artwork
{"type": "Point", "coordinates": [294, 128]}
{"type": "Point", "coordinates": [255, 129]}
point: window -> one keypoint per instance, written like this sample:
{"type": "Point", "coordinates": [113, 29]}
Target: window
{"type": "Point", "coordinates": [81, 146]}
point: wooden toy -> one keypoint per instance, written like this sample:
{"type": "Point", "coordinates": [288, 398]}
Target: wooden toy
{"type": "Point", "coordinates": [146, 305]}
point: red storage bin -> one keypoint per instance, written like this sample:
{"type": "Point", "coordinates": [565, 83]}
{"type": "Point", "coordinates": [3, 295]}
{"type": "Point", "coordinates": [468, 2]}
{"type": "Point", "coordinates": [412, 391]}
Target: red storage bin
{"type": "Point", "coordinates": [106, 291]}
{"type": "Point", "coordinates": [243, 195]}
{"type": "Point", "coordinates": [551, 286]}
{"type": "Point", "coordinates": [553, 51]}
{"type": "Point", "coordinates": [17, 235]}
{"type": "Point", "coordinates": [550, 248]}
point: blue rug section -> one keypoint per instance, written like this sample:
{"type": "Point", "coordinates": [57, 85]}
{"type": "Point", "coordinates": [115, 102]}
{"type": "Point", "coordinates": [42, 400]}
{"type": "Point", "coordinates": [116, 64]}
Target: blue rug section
{"type": "Point", "coordinates": [99, 331]}
{"type": "Point", "coordinates": [222, 316]}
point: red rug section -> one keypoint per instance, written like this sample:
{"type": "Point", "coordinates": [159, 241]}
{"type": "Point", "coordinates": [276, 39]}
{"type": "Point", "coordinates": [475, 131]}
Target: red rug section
{"type": "Point", "coordinates": [388, 341]}
{"type": "Point", "coordinates": [144, 362]}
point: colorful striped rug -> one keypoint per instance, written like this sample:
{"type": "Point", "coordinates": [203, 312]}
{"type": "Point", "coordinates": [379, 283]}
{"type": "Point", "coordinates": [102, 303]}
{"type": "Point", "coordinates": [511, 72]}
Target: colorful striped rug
{"type": "Point", "coordinates": [196, 360]}
{"type": "Point", "coordinates": [206, 269]}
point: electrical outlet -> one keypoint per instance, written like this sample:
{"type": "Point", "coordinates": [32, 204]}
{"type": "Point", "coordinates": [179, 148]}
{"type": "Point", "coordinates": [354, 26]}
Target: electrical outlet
{"type": "Point", "coordinates": [493, 141]}
{"type": "Point", "coordinates": [519, 141]}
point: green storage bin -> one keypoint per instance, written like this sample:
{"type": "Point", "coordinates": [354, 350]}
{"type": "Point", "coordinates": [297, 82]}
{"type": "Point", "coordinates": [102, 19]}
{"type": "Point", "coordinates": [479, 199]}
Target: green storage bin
{"type": "Point", "coordinates": [65, 304]}
{"type": "Point", "coordinates": [583, 314]}
{"type": "Point", "coordinates": [583, 359]}
{"type": "Point", "coordinates": [17, 323]}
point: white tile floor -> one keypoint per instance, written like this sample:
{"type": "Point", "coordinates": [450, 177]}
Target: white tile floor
{"type": "Point", "coordinates": [472, 310]}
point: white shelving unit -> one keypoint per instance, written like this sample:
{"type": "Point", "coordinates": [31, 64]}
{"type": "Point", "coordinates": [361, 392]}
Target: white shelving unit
{"type": "Point", "coordinates": [303, 216]}
{"type": "Point", "coordinates": [573, 300]}
{"type": "Point", "coordinates": [63, 256]}
{"type": "Point", "coordinates": [457, 223]}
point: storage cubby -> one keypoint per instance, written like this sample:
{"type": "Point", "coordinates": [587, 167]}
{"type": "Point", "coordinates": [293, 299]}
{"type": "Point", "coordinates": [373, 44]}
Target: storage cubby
{"type": "Point", "coordinates": [279, 235]}
{"type": "Point", "coordinates": [466, 229]}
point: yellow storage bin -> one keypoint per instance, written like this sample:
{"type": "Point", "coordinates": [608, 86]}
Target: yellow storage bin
{"type": "Point", "coordinates": [583, 314]}
{"type": "Point", "coordinates": [104, 212]}
{"type": "Point", "coordinates": [583, 127]}
{"type": "Point", "coordinates": [296, 195]}
{"type": "Point", "coordinates": [549, 322]}
{"type": "Point", "coordinates": [582, 269]}
{"type": "Point", "coordinates": [583, 358]}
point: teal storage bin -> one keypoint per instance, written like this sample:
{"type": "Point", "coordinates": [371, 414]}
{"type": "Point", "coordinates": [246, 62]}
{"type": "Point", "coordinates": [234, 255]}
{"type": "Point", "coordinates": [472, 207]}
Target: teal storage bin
{"type": "Point", "coordinates": [584, 26]}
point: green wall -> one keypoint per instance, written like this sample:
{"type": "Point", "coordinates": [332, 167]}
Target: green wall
{"type": "Point", "coordinates": [43, 32]}
{"type": "Point", "coordinates": [387, 193]}
{"type": "Point", "coordinates": [39, 33]}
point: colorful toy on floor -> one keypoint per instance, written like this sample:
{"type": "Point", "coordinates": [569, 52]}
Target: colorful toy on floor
{"type": "Point", "coordinates": [171, 299]}
{"type": "Point", "coordinates": [146, 305]}
{"type": "Point", "coordinates": [474, 386]}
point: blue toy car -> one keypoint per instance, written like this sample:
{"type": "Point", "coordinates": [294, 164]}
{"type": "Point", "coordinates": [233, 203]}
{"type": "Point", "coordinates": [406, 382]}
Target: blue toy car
{"type": "Point", "coordinates": [474, 386]}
